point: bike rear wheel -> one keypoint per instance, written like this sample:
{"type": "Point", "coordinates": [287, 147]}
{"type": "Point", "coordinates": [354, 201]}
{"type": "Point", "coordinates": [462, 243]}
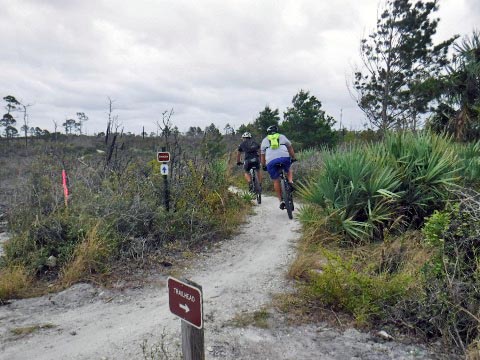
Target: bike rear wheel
{"type": "Point", "coordinates": [287, 197]}
{"type": "Point", "coordinates": [256, 187]}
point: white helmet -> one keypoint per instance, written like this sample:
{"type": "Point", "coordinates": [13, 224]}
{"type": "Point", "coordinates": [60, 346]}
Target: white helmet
{"type": "Point", "coordinates": [247, 135]}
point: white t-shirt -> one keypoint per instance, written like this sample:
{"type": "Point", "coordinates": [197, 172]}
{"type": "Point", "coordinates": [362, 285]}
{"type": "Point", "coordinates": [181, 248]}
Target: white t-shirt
{"type": "Point", "coordinates": [272, 154]}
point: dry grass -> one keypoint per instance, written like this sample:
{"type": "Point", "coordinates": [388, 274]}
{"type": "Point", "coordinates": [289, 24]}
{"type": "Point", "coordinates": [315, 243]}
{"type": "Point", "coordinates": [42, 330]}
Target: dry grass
{"type": "Point", "coordinates": [257, 318]}
{"type": "Point", "coordinates": [298, 309]}
{"type": "Point", "coordinates": [89, 258]}
{"type": "Point", "coordinates": [310, 255]}
{"type": "Point", "coordinates": [14, 281]}
{"type": "Point", "coordinates": [406, 252]}
{"type": "Point", "coordinates": [473, 351]}
{"type": "Point", "coordinates": [305, 265]}
{"type": "Point", "coordinates": [22, 331]}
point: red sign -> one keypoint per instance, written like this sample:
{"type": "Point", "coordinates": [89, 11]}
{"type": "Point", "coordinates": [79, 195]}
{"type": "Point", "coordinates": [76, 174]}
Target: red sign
{"type": "Point", "coordinates": [185, 301]}
{"type": "Point", "coordinates": [163, 156]}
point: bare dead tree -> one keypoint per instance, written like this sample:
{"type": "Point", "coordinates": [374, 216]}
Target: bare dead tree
{"type": "Point", "coordinates": [81, 119]}
{"type": "Point", "coordinates": [166, 126]}
{"type": "Point", "coordinates": [170, 138]}
{"type": "Point", "coordinates": [115, 129]}
{"type": "Point", "coordinates": [25, 120]}
{"type": "Point", "coordinates": [109, 123]}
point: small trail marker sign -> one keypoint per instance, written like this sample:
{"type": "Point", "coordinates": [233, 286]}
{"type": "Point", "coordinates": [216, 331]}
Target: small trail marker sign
{"type": "Point", "coordinates": [185, 301]}
{"type": "Point", "coordinates": [164, 169]}
{"type": "Point", "coordinates": [163, 156]}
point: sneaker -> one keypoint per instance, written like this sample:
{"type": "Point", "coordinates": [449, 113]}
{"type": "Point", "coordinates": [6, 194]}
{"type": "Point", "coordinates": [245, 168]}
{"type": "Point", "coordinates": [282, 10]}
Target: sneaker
{"type": "Point", "coordinates": [282, 205]}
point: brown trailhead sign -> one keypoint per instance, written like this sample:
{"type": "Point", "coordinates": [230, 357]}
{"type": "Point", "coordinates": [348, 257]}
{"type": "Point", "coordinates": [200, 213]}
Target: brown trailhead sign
{"type": "Point", "coordinates": [163, 156]}
{"type": "Point", "coordinates": [185, 301]}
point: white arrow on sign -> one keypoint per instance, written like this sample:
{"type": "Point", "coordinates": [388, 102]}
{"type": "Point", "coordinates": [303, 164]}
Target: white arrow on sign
{"type": "Point", "coordinates": [185, 307]}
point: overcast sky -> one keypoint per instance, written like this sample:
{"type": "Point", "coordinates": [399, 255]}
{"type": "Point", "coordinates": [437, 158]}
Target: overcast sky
{"type": "Point", "coordinates": [212, 61]}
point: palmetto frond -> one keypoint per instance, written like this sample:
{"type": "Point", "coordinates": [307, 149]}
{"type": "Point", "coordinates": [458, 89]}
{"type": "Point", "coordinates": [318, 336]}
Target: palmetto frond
{"type": "Point", "coordinates": [364, 189]}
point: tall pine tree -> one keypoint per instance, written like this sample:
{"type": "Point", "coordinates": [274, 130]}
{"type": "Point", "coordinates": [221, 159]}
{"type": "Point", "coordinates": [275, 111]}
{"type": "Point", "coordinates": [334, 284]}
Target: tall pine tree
{"type": "Point", "coordinates": [400, 63]}
{"type": "Point", "coordinates": [265, 118]}
{"type": "Point", "coordinates": [306, 123]}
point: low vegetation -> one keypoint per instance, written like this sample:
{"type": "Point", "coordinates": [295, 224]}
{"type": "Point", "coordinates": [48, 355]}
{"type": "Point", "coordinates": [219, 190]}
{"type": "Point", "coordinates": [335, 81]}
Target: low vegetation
{"type": "Point", "coordinates": [14, 282]}
{"type": "Point", "coordinates": [390, 222]}
{"type": "Point", "coordinates": [365, 190]}
{"type": "Point", "coordinates": [23, 331]}
{"type": "Point", "coordinates": [390, 236]}
{"type": "Point", "coordinates": [164, 349]}
{"type": "Point", "coordinates": [116, 211]}
{"type": "Point", "coordinates": [258, 318]}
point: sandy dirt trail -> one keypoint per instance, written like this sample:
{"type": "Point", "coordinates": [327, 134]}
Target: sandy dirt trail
{"type": "Point", "coordinates": [239, 276]}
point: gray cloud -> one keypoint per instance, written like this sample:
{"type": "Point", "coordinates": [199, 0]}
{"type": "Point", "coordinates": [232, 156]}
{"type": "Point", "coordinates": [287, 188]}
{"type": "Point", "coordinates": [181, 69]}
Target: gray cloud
{"type": "Point", "coordinates": [474, 5]}
{"type": "Point", "coordinates": [211, 61]}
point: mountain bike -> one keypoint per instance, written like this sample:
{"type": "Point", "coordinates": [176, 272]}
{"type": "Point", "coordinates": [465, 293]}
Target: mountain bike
{"type": "Point", "coordinates": [286, 190]}
{"type": "Point", "coordinates": [256, 187]}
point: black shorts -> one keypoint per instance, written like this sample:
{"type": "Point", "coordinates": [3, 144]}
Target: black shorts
{"type": "Point", "coordinates": [251, 163]}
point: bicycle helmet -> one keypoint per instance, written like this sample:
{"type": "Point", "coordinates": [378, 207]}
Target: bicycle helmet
{"type": "Point", "coordinates": [272, 129]}
{"type": "Point", "coordinates": [247, 135]}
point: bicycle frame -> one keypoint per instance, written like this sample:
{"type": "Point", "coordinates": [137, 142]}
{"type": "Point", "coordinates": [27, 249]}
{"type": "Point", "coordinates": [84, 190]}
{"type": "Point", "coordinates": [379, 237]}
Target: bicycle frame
{"type": "Point", "coordinates": [256, 184]}
{"type": "Point", "coordinates": [286, 192]}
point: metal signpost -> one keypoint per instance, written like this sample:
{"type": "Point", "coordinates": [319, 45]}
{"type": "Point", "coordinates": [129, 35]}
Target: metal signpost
{"type": "Point", "coordinates": [163, 157]}
{"type": "Point", "coordinates": [185, 301]}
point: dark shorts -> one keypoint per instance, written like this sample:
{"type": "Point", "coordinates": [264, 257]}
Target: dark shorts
{"type": "Point", "coordinates": [274, 171]}
{"type": "Point", "coordinates": [251, 163]}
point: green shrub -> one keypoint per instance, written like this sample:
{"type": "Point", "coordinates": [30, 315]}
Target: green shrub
{"type": "Point", "coordinates": [364, 190]}
{"type": "Point", "coordinates": [427, 284]}
{"type": "Point", "coordinates": [469, 155]}
{"type": "Point", "coordinates": [310, 161]}
{"type": "Point", "coordinates": [114, 213]}
{"type": "Point", "coordinates": [55, 235]}
{"type": "Point", "coordinates": [451, 303]}
{"type": "Point", "coordinates": [355, 193]}
{"type": "Point", "coordinates": [434, 228]}
{"type": "Point", "coordinates": [429, 168]}
{"type": "Point", "coordinates": [345, 286]}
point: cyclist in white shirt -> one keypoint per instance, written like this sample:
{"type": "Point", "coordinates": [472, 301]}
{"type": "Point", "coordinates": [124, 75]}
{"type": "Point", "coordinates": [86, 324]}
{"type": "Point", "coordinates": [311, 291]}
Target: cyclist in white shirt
{"type": "Point", "coordinates": [276, 148]}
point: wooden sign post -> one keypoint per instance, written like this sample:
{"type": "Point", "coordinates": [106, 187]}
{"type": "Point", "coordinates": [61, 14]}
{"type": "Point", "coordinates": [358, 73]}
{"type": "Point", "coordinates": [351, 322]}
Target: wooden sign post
{"type": "Point", "coordinates": [185, 301]}
{"type": "Point", "coordinates": [193, 347]}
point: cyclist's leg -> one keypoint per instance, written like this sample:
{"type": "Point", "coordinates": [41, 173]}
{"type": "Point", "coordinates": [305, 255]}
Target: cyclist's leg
{"type": "Point", "coordinates": [290, 180]}
{"type": "Point", "coordinates": [278, 189]}
{"type": "Point", "coordinates": [259, 172]}
{"type": "Point", "coordinates": [288, 169]}
{"type": "Point", "coordinates": [246, 168]}
{"type": "Point", "coordinates": [259, 178]}
{"type": "Point", "coordinates": [274, 173]}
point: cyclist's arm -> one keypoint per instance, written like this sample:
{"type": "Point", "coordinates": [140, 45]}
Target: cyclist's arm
{"type": "Point", "coordinates": [262, 160]}
{"type": "Point", "coordinates": [291, 152]}
{"type": "Point", "coordinates": [239, 153]}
